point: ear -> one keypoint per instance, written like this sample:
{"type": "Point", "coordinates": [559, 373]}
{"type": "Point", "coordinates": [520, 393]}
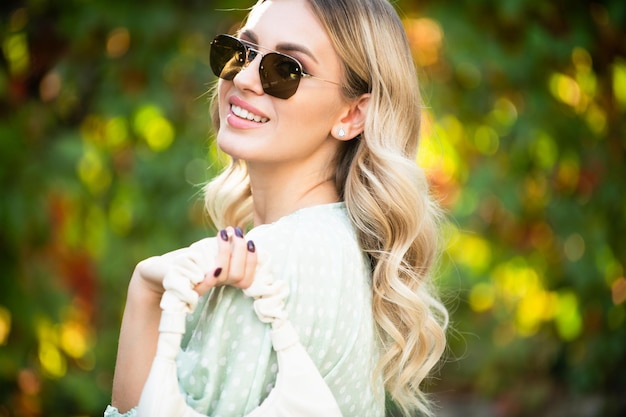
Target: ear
{"type": "Point", "coordinates": [351, 121]}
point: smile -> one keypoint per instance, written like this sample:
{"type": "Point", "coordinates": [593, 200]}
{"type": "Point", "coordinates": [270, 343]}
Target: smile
{"type": "Point", "coordinates": [245, 114]}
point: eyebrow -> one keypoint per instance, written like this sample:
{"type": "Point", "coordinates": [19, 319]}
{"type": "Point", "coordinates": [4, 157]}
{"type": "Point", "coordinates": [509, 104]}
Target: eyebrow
{"type": "Point", "coordinates": [281, 47]}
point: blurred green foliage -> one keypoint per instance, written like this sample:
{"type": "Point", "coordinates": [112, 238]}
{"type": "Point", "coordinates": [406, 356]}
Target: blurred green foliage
{"type": "Point", "coordinates": [105, 139]}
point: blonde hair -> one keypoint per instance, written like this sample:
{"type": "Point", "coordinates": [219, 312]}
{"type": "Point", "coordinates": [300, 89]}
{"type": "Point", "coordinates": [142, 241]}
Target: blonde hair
{"type": "Point", "coordinates": [385, 191]}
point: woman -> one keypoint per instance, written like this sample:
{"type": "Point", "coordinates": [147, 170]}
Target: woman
{"type": "Point", "coordinates": [323, 146]}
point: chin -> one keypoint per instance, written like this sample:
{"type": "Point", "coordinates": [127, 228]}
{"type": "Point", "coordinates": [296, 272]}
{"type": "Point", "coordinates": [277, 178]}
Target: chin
{"type": "Point", "coordinates": [236, 149]}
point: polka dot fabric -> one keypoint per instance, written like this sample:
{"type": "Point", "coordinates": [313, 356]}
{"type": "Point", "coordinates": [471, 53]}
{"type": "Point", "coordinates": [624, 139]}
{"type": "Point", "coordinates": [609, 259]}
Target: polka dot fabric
{"type": "Point", "coordinates": [227, 365]}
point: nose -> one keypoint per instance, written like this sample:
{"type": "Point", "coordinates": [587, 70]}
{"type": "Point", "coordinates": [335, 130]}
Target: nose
{"type": "Point", "coordinates": [248, 78]}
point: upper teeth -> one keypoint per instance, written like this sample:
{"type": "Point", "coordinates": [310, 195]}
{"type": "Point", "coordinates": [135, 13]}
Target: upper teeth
{"type": "Point", "coordinates": [245, 114]}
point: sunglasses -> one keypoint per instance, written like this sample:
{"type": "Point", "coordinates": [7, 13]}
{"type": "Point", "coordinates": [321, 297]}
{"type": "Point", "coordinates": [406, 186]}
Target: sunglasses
{"type": "Point", "coordinates": [280, 74]}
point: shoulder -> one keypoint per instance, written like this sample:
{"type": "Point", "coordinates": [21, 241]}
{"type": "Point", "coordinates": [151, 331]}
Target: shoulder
{"type": "Point", "coordinates": [316, 251]}
{"type": "Point", "coordinates": [324, 227]}
{"type": "Point", "coordinates": [317, 243]}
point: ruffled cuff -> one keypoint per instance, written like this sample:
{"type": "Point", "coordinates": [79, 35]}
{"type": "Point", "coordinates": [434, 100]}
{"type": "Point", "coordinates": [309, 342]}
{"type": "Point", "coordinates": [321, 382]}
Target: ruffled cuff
{"type": "Point", "coordinates": [114, 412]}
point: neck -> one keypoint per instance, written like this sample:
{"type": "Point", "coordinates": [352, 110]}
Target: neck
{"type": "Point", "coordinates": [278, 192]}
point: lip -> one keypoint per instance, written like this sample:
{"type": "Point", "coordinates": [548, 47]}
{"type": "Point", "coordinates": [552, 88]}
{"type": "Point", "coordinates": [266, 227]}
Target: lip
{"type": "Point", "coordinates": [238, 122]}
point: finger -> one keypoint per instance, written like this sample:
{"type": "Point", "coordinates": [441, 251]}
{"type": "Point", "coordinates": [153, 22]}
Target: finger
{"type": "Point", "coordinates": [238, 256]}
{"type": "Point", "coordinates": [219, 273]}
{"type": "Point", "coordinates": [211, 279]}
{"type": "Point", "coordinates": [207, 283]}
{"type": "Point", "coordinates": [251, 263]}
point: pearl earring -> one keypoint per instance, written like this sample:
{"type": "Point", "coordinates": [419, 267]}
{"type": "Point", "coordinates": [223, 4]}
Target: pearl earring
{"type": "Point", "coordinates": [341, 132]}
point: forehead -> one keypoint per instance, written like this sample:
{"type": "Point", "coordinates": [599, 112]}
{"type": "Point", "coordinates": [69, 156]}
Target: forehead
{"type": "Point", "coordinates": [276, 21]}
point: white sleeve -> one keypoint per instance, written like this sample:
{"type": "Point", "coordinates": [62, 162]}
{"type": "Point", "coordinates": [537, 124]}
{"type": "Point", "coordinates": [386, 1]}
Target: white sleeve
{"type": "Point", "coordinates": [161, 396]}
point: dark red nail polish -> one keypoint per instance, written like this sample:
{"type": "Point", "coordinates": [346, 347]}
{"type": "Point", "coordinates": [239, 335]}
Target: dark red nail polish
{"type": "Point", "coordinates": [238, 232]}
{"type": "Point", "coordinates": [217, 272]}
{"type": "Point", "coordinates": [224, 235]}
{"type": "Point", "coordinates": [251, 247]}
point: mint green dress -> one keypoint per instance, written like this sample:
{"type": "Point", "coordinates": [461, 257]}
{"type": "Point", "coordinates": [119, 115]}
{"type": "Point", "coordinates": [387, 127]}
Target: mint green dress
{"type": "Point", "coordinates": [227, 367]}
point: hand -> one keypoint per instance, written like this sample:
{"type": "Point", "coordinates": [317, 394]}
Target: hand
{"type": "Point", "coordinates": [234, 265]}
{"type": "Point", "coordinates": [235, 262]}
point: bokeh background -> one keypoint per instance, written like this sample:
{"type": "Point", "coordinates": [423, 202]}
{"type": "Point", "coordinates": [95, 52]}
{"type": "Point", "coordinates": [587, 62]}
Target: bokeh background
{"type": "Point", "coordinates": [105, 141]}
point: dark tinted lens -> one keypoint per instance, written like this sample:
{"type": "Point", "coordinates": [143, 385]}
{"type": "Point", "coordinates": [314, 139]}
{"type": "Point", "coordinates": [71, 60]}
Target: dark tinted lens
{"type": "Point", "coordinates": [280, 75]}
{"type": "Point", "coordinates": [227, 57]}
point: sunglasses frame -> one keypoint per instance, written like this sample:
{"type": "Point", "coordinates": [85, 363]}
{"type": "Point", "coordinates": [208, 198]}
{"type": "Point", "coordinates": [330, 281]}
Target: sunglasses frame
{"type": "Point", "coordinates": [268, 83]}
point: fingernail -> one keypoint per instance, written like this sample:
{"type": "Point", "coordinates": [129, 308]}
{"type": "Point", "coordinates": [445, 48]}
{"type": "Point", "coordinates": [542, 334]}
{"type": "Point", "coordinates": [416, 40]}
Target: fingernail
{"type": "Point", "coordinates": [224, 235]}
{"type": "Point", "coordinates": [217, 272]}
{"type": "Point", "coordinates": [238, 232]}
{"type": "Point", "coordinates": [251, 247]}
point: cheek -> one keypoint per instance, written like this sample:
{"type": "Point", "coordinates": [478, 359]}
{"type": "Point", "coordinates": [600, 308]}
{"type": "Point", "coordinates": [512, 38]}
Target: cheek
{"type": "Point", "coordinates": [221, 100]}
{"type": "Point", "coordinates": [312, 114]}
